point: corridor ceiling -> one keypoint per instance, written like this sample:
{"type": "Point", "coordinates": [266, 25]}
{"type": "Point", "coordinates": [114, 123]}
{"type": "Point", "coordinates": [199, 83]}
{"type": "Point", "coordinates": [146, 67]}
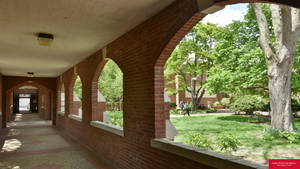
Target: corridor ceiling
{"type": "Point", "coordinates": [80, 28]}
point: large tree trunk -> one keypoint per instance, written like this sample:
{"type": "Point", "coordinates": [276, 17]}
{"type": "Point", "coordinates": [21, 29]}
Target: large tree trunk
{"type": "Point", "coordinates": [280, 96]}
{"type": "Point", "coordinates": [280, 59]}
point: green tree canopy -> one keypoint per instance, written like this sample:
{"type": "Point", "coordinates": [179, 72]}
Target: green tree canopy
{"type": "Point", "coordinates": [192, 59]}
{"type": "Point", "coordinates": [78, 87]}
{"type": "Point", "coordinates": [110, 82]}
{"type": "Point", "coordinates": [240, 65]}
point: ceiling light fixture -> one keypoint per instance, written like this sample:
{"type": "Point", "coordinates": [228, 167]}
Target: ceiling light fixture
{"type": "Point", "coordinates": [45, 39]}
{"type": "Point", "coordinates": [30, 74]}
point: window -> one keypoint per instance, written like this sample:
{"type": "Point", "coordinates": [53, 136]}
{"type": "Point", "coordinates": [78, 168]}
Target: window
{"type": "Point", "coordinates": [110, 92]}
{"type": "Point", "coordinates": [62, 99]}
{"type": "Point", "coordinates": [76, 109]}
{"type": "Point", "coordinates": [108, 111]}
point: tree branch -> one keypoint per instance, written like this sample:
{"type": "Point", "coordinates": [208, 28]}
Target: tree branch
{"type": "Point", "coordinates": [200, 97]}
{"type": "Point", "coordinates": [287, 26]}
{"type": "Point", "coordinates": [185, 81]}
{"type": "Point", "coordinates": [276, 20]}
{"type": "Point", "coordinates": [197, 93]}
{"type": "Point", "coordinates": [265, 38]}
{"type": "Point", "coordinates": [296, 22]}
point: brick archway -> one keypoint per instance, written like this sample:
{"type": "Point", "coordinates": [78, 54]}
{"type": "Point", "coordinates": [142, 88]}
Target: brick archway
{"type": "Point", "coordinates": [46, 97]}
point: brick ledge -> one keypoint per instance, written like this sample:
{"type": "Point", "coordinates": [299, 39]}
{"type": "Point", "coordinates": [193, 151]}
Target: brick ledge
{"type": "Point", "coordinates": [75, 117]}
{"type": "Point", "coordinates": [203, 156]}
{"type": "Point", "coordinates": [108, 127]}
{"type": "Point", "coordinates": [61, 113]}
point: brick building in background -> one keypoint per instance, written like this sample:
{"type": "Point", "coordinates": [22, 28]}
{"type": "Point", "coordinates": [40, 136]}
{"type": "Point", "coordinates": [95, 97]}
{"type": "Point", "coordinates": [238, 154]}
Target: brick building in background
{"type": "Point", "coordinates": [207, 100]}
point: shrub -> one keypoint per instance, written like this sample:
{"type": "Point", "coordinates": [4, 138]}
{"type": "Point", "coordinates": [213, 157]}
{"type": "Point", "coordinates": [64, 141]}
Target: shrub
{"type": "Point", "coordinates": [247, 103]}
{"type": "Point", "coordinates": [270, 133]}
{"type": "Point", "coordinates": [225, 102]}
{"type": "Point", "coordinates": [116, 118]}
{"type": "Point", "coordinates": [227, 142]}
{"type": "Point", "coordinates": [295, 105]}
{"type": "Point", "coordinates": [172, 104]}
{"type": "Point", "coordinates": [210, 110]}
{"type": "Point", "coordinates": [199, 140]}
{"type": "Point", "coordinates": [292, 137]}
{"type": "Point", "coordinates": [217, 103]}
{"type": "Point", "coordinates": [265, 107]}
{"type": "Point", "coordinates": [175, 111]}
{"type": "Point", "coordinates": [202, 107]}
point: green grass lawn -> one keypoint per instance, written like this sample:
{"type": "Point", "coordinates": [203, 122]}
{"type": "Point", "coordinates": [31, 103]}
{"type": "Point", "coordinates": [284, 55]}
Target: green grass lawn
{"type": "Point", "coordinates": [248, 130]}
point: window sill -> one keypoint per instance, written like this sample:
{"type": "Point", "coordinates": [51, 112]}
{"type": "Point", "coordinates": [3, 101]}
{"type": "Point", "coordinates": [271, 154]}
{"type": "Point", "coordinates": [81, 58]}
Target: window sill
{"type": "Point", "coordinates": [75, 117]}
{"type": "Point", "coordinates": [61, 113]}
{"type": "Point", "coordinates": [108, 127]}
{"type": "Point", "coordinates": [203, 156]}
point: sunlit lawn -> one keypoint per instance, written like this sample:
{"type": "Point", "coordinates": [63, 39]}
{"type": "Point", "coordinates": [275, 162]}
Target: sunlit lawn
{"type": "Point", "coordinates": [253, 147]}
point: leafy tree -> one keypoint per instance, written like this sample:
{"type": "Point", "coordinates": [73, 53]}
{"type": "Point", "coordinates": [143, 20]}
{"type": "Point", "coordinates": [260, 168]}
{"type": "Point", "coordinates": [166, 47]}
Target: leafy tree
{"type": "Point", "coordinates": [280, 57]}
{"type": "Point", "coordinates": [241, 66]}
{"type": "Point", "coordinates": [78, 88]}
{"type": "Point", "coordinates": [110, 84]}
{"type": "Point", "coordinates": [192, 59]}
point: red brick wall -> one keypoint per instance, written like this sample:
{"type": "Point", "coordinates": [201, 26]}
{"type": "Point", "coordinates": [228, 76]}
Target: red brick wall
{"type": "Point", "coordinates": [76, 106]}
{"type": "Point", "coordinates": [98, 115]}
{"type": "Point", "coordinates": [9, 108]}
{"type": "Point", "coordinates": [141, 54]}
{"type": "Point", "coordinates": [1, 94]}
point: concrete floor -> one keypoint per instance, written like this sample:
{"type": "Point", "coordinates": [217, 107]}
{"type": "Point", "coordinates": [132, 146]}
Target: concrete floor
{"type": "Point", "coordinates": [31, 143]}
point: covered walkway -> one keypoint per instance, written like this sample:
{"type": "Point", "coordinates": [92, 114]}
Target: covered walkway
{"type": "Point", "coordinates": [46, 45]}
{"type": "Point", "coordinates": [32, 143]}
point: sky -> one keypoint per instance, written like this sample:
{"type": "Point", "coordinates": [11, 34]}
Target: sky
{"type": "Point", "coordinates": [227, 15]}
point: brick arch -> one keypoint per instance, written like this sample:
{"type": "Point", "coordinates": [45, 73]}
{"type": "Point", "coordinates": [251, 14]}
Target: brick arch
{"type": "Point", "coordinates": [171, 44]}
{"type": "Point", "coordinates": [33, 83]}
{"type": "Point", "coordinates": [44, 112]}
{"type": "Point", "coordinates": [292, 3]}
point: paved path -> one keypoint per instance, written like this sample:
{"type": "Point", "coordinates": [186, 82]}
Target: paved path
{"type": "Point", "coordinates": [31, 143]}
{"type": "Point", "coordinates": [203, 114]}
